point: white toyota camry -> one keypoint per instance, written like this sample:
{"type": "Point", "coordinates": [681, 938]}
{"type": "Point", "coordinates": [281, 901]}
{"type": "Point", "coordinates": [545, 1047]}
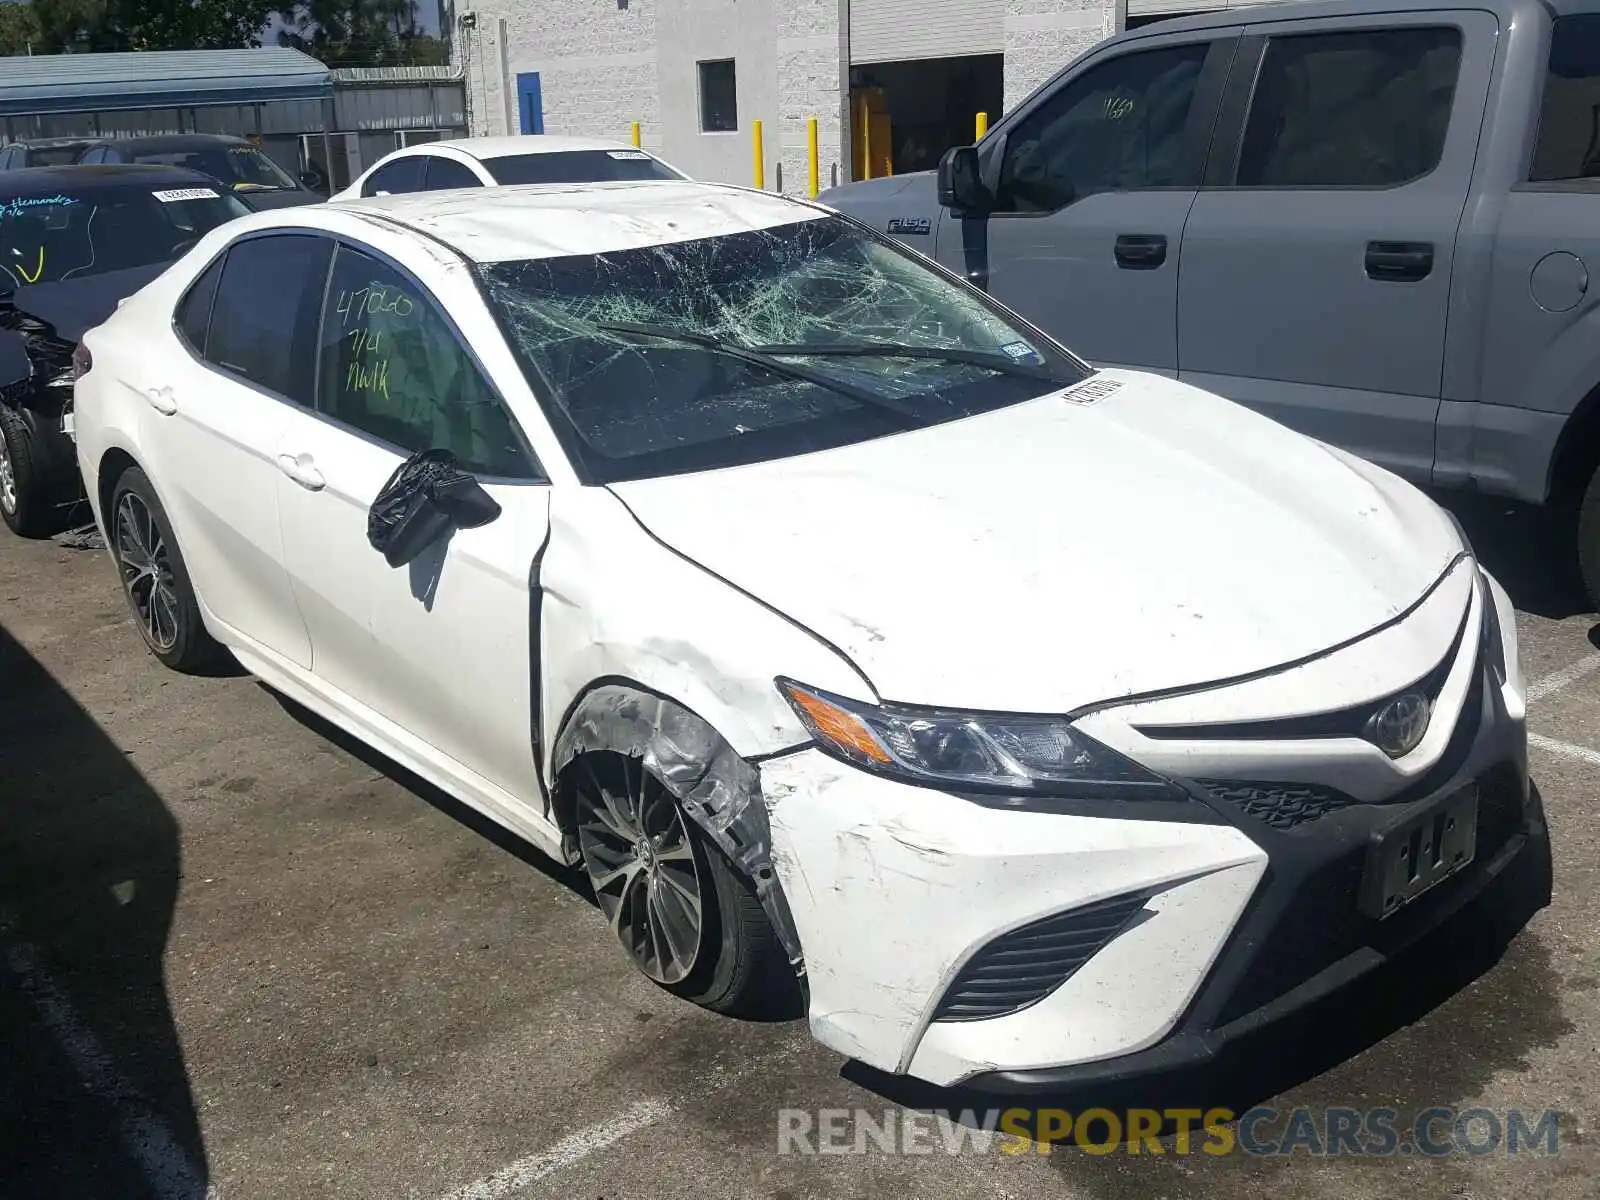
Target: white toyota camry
{"type": "Point", "coordinates": [1042, 722]}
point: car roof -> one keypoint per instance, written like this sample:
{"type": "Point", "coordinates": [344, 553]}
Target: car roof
{"type": "Point", "coordinates": [171, 141]}
{"type": "Point", "coordinates": [43, 181]}
{"type": "Point", "coordinates": [1262, 11]}
{"type": "Point", "coordinates": [50, 143]}
{"type": "Point", "coordinates": [483, 148]}
{"type": "Point", "coordinates": [493, 224]}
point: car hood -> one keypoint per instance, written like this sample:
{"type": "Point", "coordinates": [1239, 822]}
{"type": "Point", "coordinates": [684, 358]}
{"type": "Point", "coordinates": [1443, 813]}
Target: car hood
{"type": "Point", "coordinates": [1126, 535]}
{"type": "Point", "coordinates": [73, 306]}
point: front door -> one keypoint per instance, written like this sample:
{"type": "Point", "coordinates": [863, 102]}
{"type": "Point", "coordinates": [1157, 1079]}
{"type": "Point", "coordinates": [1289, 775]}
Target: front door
{"type": "Point", "coordinates": [439, 650]}
{"type": "Point", "coordinates": [1317, 260]}
{"type": "Point", "coordinates": [1092, 185]}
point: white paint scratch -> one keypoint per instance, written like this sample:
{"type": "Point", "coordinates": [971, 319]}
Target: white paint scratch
{"type": "Point", "coordinates": [569, 1150]}
{"type": "Point", "coordinates": [164, 1163]}
{"type": "Point", "coordinates": [1553, 683]}
{"type": "Point", "coordinates": [1565, 749]}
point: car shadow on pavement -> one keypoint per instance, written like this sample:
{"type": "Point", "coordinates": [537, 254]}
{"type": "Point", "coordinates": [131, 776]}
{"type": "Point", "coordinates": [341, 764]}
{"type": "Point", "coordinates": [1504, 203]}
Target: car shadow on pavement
{"type": "Point", "coordinates": [1496, 1020]}
{"type": "Point", "coordinates": [94, 1094]}
{"type": "Point", "coordinates": [1529, 549]}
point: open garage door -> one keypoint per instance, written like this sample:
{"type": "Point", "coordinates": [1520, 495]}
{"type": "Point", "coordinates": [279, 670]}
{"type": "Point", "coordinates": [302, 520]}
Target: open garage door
{"type": "Point", "coordinates": [898, 30]}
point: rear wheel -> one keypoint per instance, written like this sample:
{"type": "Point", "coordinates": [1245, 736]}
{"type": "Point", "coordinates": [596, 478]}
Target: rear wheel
{"type": "Point", "coordinates": [683, 914]}
{"type": "Point", "coordinates": [154, 577]}
{"type": "Point", "coordinates": [1589, 538]}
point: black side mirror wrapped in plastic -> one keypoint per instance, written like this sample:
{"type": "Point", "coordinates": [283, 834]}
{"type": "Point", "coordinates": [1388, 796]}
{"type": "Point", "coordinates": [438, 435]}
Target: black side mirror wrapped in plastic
{"type": "Point", "coordinates": [426, 499]}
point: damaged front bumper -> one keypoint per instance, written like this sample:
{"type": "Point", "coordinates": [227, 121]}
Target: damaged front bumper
{"type": "Point", "coordinates": [1024, 951]}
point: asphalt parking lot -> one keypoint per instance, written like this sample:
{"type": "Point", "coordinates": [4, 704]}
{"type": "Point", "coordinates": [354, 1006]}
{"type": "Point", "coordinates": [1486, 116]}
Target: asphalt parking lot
{"type": "Point", "coordinates": [240, 956]}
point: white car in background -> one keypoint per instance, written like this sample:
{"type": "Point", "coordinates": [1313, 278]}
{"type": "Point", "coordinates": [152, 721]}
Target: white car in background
{"type": "Point", "coordinates": [1045, 723]}
{"type": "Point", "coordinates": [503, 161]}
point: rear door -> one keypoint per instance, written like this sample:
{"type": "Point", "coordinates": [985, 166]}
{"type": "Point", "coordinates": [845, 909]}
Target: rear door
{"type": "Point", "coordinates": [1317, 259]}
{"type": "Point", "coordinates": [242, 359]}
{"type": "Point", "coordinates": [1093, 182]}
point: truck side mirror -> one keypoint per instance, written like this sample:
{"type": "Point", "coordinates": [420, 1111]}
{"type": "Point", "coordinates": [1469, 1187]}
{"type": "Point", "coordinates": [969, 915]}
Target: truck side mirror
{"type": "Point", "coordinates": [960, 185]}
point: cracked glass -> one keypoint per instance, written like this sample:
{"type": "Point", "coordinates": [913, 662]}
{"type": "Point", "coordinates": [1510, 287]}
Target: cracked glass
{"type": "Point", "coordinates": [758, 345]}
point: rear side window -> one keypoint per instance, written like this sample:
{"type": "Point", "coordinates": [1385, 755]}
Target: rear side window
{"type": "Point", "coordinates": [263, 323]}
{"type": "Point", "coordinates": [1366, 108]}
{"type": "Point", "coordinates": [194, 310]}
{"type": "Point", "coordinates": [402, 175]}
{"type": "Point", "coordinates": [448, 173]}
{"type": "Point", "coordinates": [1569, 120]}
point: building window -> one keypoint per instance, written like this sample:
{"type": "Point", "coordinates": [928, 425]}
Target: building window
{"type": "Point", "coordinates": [719, 101]}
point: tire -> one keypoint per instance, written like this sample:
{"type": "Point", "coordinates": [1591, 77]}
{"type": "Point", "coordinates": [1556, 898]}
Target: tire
{"type": "Point", "coordinates": [1589, 538]}
{"type": "Point", "coordinates": [24, 493]}
{"type": "Point", "coordinates": [155, 580]}
{"type": "Point", "coordinates": [738, 966]}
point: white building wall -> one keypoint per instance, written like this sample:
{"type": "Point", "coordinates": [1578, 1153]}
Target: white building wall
{"type": "Point", "coordinates": [1042, 36]}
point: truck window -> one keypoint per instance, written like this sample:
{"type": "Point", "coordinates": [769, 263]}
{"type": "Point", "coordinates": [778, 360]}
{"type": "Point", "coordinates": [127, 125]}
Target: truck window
{"type": "Point", "coordinates": [1569, 120]}
{"type": "Point", "coordinates": [1117, 127]}
{"type": "Point", "coordinates": [1366, 108]}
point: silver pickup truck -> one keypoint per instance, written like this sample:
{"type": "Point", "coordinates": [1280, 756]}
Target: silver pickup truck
{"type": "Point", "coordinates": [1373, 221]}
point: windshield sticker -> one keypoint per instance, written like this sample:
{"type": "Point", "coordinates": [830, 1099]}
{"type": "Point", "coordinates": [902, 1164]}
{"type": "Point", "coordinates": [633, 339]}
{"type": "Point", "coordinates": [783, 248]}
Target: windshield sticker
{"type": "Point", "coordinates": [629, 155]}
{"type": "Point", "coordinates": [909, 225]}
{"type": "Point", "coordinates": [21, 204]}
{"type": "Point", "coordinates": [171, 194]}
{"type": "Point", "coordinates": [1091, 390]}
{"type": "Point", "coordinates": [1021, 352]}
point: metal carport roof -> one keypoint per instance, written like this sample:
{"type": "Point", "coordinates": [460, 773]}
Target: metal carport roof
{"type": "Point", "coordinates": [67, 83]}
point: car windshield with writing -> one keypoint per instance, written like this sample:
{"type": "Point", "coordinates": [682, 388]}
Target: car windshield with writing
{"type": "Point", "coordinates": [758, 345]}
{"type": "Point", "coordinates": [578, 166]}
{"type": "Point", "coordinates": [47, 237]}
{"type": "Point", "coordinates": [243, 168]}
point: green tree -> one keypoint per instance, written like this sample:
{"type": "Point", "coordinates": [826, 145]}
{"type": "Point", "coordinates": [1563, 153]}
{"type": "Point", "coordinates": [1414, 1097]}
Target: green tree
{"type": "Point", "coordinates": [19, 28]}
{"type": "Point", "coordinates": [151, 24]}
{"type": "Point", "coordinates": [360, 33]}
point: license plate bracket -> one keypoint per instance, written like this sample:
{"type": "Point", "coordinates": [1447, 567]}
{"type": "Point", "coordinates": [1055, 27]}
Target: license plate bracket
{"type": "Point", "coordinates": [1419, 852]}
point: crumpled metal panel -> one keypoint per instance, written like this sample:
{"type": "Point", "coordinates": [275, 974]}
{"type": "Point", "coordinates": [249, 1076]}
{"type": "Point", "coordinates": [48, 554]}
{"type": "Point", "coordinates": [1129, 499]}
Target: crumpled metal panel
{"type": "Point", "coordinates": [716, 786]}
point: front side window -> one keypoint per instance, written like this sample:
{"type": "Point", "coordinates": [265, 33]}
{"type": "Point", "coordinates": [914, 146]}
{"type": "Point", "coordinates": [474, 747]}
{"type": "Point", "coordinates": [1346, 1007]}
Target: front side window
{"type": "Point", "coordinates": [578, 166]}
{"type": "Point", "coordinates": [264, 318]}
{"type": "Point", "coordinates": [757, 345]}
{"type": "Point", "coordinates": [1365, 108]}
{"type": "Point", "coordinates": [719, 97]}
{"type": "Point", "coordinates": [446, 173]}
{"type": "Point", "coordinates": [1117, 127]}
{"type": "Point", "coordinates": [85, 231]}
{"type": "Point", "coordinates": [393, 367]}
{"type": "Point", "coordinates": [400, 176]}
{"type": "Point", "coordinates": [1569, 119]}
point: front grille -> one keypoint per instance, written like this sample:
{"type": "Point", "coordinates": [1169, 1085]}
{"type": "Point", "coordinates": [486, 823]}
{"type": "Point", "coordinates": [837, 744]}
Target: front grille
{"type": "Point", "coordinates": [1281, 805]}
{"type": "Point", "coordinates": [1024, 966]}
{"type": "Point", "coordinates": [1321, 923]}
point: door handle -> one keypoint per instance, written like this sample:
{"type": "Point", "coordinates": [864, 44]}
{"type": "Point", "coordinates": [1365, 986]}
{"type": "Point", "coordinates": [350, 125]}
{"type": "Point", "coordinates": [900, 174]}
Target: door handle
{"type": "Point", "coordinates": [160, 399]}
{"type": "Point", "coordinates": [302, 470]}
{"type": "Point", "coordinates": [1141, 251]}
{"type": "Point", "coordinates": [1399, 262]}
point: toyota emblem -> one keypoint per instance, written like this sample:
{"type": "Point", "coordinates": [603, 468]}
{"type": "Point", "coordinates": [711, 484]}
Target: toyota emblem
{"type": "Point", "coordinates": [1398, 726]}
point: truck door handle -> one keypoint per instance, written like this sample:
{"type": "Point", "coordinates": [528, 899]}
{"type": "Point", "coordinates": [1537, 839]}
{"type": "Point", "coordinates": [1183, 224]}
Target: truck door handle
{"type": "Point", "coordinates": [302, 470]}
{"type": "Point", "coordinates": [1399, 262]}
{"type": "Point", "coordinates": [160, 399]}
{"type": "Point", "coordinates": [1141, 251]}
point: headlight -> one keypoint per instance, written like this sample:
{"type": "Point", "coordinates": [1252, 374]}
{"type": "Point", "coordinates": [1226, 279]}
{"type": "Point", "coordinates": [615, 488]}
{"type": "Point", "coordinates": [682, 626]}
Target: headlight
{"type": "Point", "coordinates": [1028, 755]}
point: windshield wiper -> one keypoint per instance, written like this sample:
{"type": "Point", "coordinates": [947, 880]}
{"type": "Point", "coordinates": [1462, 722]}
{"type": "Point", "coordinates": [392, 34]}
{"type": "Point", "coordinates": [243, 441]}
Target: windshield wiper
{"type": "Point", "coordinates": [973, 358]}
{"type": "Point", "coordinates": [762, 359]}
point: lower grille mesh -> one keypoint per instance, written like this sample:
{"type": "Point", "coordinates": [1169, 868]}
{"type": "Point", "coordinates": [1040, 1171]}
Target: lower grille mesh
{"type": "Point", "coordinates": [1024, 966]}
{"type": "Point", "coordinates": [1280, 805]}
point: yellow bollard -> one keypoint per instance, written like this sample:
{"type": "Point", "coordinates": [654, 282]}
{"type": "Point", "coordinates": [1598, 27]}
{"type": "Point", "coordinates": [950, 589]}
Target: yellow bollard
{"type": "Point", "coordinates": [755, 137]}
{"type": "Point", "coordinates": [811, 153]}
{"type": "Point", "coordinates": [866, 142]}
{"type": "Point", "coordinates": [983, 125]}
{"type": "Point", "coordinates": [636, 134]}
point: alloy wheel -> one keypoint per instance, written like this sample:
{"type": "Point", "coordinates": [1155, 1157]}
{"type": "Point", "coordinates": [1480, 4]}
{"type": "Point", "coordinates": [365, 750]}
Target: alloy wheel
{"type": "Point", "coordinates": [147, 571]}
{"type": "Point", "coordinates": [8, 478]}
{"type": "Point", "coordinates": [642, 867]}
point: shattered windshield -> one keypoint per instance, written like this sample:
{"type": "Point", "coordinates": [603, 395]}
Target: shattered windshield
{"type": "Point", "coordinates": [90, 231]}
{"type": "Point", "coordinates": [757, 345]}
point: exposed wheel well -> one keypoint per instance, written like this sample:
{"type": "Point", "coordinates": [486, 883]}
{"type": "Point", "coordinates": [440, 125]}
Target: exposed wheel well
{"type": "Point", "coordinates": [112, 464]}
{"type": "Point", "coordinates": [1577, 452]}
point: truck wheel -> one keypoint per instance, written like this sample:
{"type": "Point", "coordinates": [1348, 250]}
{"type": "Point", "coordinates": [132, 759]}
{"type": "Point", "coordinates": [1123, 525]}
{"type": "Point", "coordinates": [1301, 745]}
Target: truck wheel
{"type": "Point", "coordinates": [24, 506]}
{"type": "Point", "coordinates": [1589, 538]}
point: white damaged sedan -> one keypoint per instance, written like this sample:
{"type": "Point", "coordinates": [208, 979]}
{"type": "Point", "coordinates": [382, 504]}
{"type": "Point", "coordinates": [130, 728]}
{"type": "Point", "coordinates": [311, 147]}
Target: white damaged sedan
{"type": "Point", "coordinates": [1033, 723]}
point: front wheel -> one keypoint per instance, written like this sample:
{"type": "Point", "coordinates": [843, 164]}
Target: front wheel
{"type": "Point", "coordinates": [1589, 538]}
{"type": "Point", "coordinates": [681, 912]}
{"type": "Point", "coordinates": [154, 577]}
{"type": "Point", "coordinates": [24, 501]}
